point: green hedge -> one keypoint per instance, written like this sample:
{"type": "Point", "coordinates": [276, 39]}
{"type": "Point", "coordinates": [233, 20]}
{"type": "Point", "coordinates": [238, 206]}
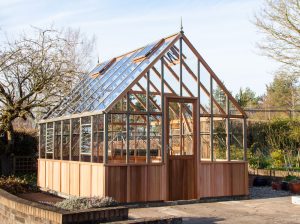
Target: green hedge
{"type": "Point", "coordinates": [274, 144]}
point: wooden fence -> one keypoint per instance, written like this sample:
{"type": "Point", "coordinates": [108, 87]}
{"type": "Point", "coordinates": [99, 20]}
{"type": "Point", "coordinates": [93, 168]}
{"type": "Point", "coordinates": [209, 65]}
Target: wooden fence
{"type": "Point", "coordinates": [24, 164]}
{"type": "Point", "coordinates": [272, 173]}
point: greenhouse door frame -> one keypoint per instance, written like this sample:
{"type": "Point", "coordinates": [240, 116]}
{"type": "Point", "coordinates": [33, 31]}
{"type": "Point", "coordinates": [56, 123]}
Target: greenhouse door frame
{"type": "Point", "coordinates": [182, 168]}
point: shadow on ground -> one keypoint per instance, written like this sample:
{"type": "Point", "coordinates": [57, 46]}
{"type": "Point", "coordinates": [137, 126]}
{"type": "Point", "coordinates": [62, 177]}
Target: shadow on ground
{"type": "Point", "coordinates": [204, 220]}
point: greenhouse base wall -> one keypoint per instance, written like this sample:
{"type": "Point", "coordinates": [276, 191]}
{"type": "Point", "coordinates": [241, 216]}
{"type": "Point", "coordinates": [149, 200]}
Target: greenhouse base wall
{"type": "Point", "coordinates": [143, 182]}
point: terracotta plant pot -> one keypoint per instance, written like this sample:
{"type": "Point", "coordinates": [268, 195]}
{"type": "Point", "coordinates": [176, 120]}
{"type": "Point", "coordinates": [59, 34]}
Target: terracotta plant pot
{"type": "Point", "coordinates": [276, 186]}
{"type": "Point", "coordinates": [295, 187]}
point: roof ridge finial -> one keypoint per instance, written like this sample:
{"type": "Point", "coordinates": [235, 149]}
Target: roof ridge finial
{"type": "Point", "coordinates": [181, 26]}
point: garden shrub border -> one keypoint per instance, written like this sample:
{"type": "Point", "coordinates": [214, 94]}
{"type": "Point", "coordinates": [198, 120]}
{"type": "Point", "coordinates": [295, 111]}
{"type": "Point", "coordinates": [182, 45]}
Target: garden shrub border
{"type": "Point", "coordinates": [18, 210]}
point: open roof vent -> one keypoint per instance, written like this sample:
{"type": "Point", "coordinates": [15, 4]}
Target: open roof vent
{"type": "Point", "coordinates": [140, 58]}
{"type": "Point", "coordinates": [102, 68]}
{"type": "Point", "coordinates": [172, 56]}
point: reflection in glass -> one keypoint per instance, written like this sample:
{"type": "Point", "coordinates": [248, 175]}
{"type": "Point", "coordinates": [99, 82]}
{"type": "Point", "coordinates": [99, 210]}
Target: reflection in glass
{"type": "Point", "coordinates": [181, 133]}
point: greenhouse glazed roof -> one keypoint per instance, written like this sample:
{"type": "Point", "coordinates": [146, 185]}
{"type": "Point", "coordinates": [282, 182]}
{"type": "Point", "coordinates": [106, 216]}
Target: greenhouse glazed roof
{"type": "Point", "coordinates": [109, 80]}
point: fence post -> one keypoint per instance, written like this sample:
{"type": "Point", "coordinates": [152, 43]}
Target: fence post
{"type": "Point", "coordinates": [14, 164]}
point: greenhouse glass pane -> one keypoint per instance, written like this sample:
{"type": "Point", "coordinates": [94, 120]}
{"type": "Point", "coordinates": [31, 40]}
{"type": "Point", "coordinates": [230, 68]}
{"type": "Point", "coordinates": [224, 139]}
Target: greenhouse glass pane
{"type": "Point", "coordinates": [107, 97]}
{"type": "Point", "coordinates": [99, 85]}
{"type": "Point", "coordinates": [84, 92]}
{"type": "Point", "coordinates": [77, 91]}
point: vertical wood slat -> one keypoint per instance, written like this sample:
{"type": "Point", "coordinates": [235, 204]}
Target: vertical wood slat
{"type": "Point", "coordinates": [72, 178]}
{"type": "Point", "coordinates": [65, 173]}
{"type": "Point", "coordinates": [145, 182]}
{"type": "Point", "coordinates": [135, 183]}
{"type": "Point", "coordinates": [222, 179]}
{"type": "Point", "coordinates": [56, 176]}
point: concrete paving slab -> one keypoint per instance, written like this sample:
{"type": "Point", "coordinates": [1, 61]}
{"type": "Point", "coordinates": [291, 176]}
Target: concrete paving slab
{"type": "Point", "coordinates": [264, 210]}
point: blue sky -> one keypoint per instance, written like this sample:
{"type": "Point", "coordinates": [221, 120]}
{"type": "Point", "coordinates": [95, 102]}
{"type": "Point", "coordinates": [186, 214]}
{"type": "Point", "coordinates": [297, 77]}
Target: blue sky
{"type": "Point", "coordinates": [221, 30]}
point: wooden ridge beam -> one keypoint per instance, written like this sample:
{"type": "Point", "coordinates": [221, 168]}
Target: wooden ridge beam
{"type": "Point", "coordinates": [142, 92]}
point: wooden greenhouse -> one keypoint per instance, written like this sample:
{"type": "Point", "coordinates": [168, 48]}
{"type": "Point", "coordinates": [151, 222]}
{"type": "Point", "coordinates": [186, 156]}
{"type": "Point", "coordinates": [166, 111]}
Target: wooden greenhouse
{"type": "Point", "coordinates": [154, 124]}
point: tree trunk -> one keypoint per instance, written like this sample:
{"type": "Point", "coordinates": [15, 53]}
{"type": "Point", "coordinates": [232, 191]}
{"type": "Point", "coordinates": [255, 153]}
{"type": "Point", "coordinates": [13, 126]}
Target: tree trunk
{"type": "Point", "coordinates": [10, 139]}
{"type": "Point", "coordinates": [6, 158]}
{"type": "Point", "coordinates": [6, 164]}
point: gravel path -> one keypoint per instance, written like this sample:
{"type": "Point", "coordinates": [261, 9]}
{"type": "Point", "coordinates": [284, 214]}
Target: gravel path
{"type": "Point", "coordinates": [267, 192]}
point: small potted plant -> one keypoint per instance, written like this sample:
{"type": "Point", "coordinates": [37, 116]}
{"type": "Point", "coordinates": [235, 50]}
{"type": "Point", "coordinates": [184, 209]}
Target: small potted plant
{"type": "Point", "coordinates": [276, 185]}
{"type": "Point", "coordinates": [285, 183]}
{"type": "Point", "coordinates": [294, 186]}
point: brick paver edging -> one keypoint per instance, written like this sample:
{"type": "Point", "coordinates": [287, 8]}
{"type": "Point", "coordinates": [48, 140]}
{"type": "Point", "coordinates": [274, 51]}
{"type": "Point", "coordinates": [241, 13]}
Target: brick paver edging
{"type": "Point", "coordinates": [17, 210]}
{"type": "Point", "coordinates": [161, 220]}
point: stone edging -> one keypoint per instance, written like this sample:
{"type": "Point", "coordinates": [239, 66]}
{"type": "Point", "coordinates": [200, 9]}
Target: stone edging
{"type": "Point", "coordinates": [161, 220]}
{"type": "Point", "coordinates": [185, 202]}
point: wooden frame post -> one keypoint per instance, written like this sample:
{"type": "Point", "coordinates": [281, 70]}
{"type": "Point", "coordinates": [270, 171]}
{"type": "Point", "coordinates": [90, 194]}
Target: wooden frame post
{"type": "Point", "coordinates": [70, 146]}
{"type": "Point", "coordinates": [148, 159]}
{"type": "Point", "coordinates": [127, 128]}
{"type": "Point", "coordinates": [211, 142]}
{"type": "Point", "coordinates": [245, 138]}
{"type": "Point", "coordinates": [162, 110]}
{"type": "Point", "coordinates": [92, 137]}
{"type": "Point", "coordinates": [105, 142]}
{"type": "Point", "coordinates": [61, 139]}
{"type": "Point", "coordinates": [46, 140]}
{"type": "Point", "coordinates": [53, 140]}
{"type": "Point", "coordinates": [228, 129]}
{"type": "Point", "coordinates": [80, 142]}
{"type": "Point", "coordinates": [198, 112]}
{"type": "Point", "coordinates": [180, 64]}
{"type": "Point", "coordinates": [40, 126]}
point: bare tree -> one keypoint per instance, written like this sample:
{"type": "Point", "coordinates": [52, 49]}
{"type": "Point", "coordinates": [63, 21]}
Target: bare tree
{"type": "Point", "coordinates": [279, 20]}
{"type": "Point", "coordinates": [36, 71]}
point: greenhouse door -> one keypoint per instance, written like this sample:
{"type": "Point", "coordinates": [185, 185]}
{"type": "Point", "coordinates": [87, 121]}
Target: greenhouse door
{"type": "Point", "coordinates": [181, 147]}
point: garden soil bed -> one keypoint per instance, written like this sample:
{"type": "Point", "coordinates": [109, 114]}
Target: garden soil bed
{"type": "Point", "coordinates": [41, 197]}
